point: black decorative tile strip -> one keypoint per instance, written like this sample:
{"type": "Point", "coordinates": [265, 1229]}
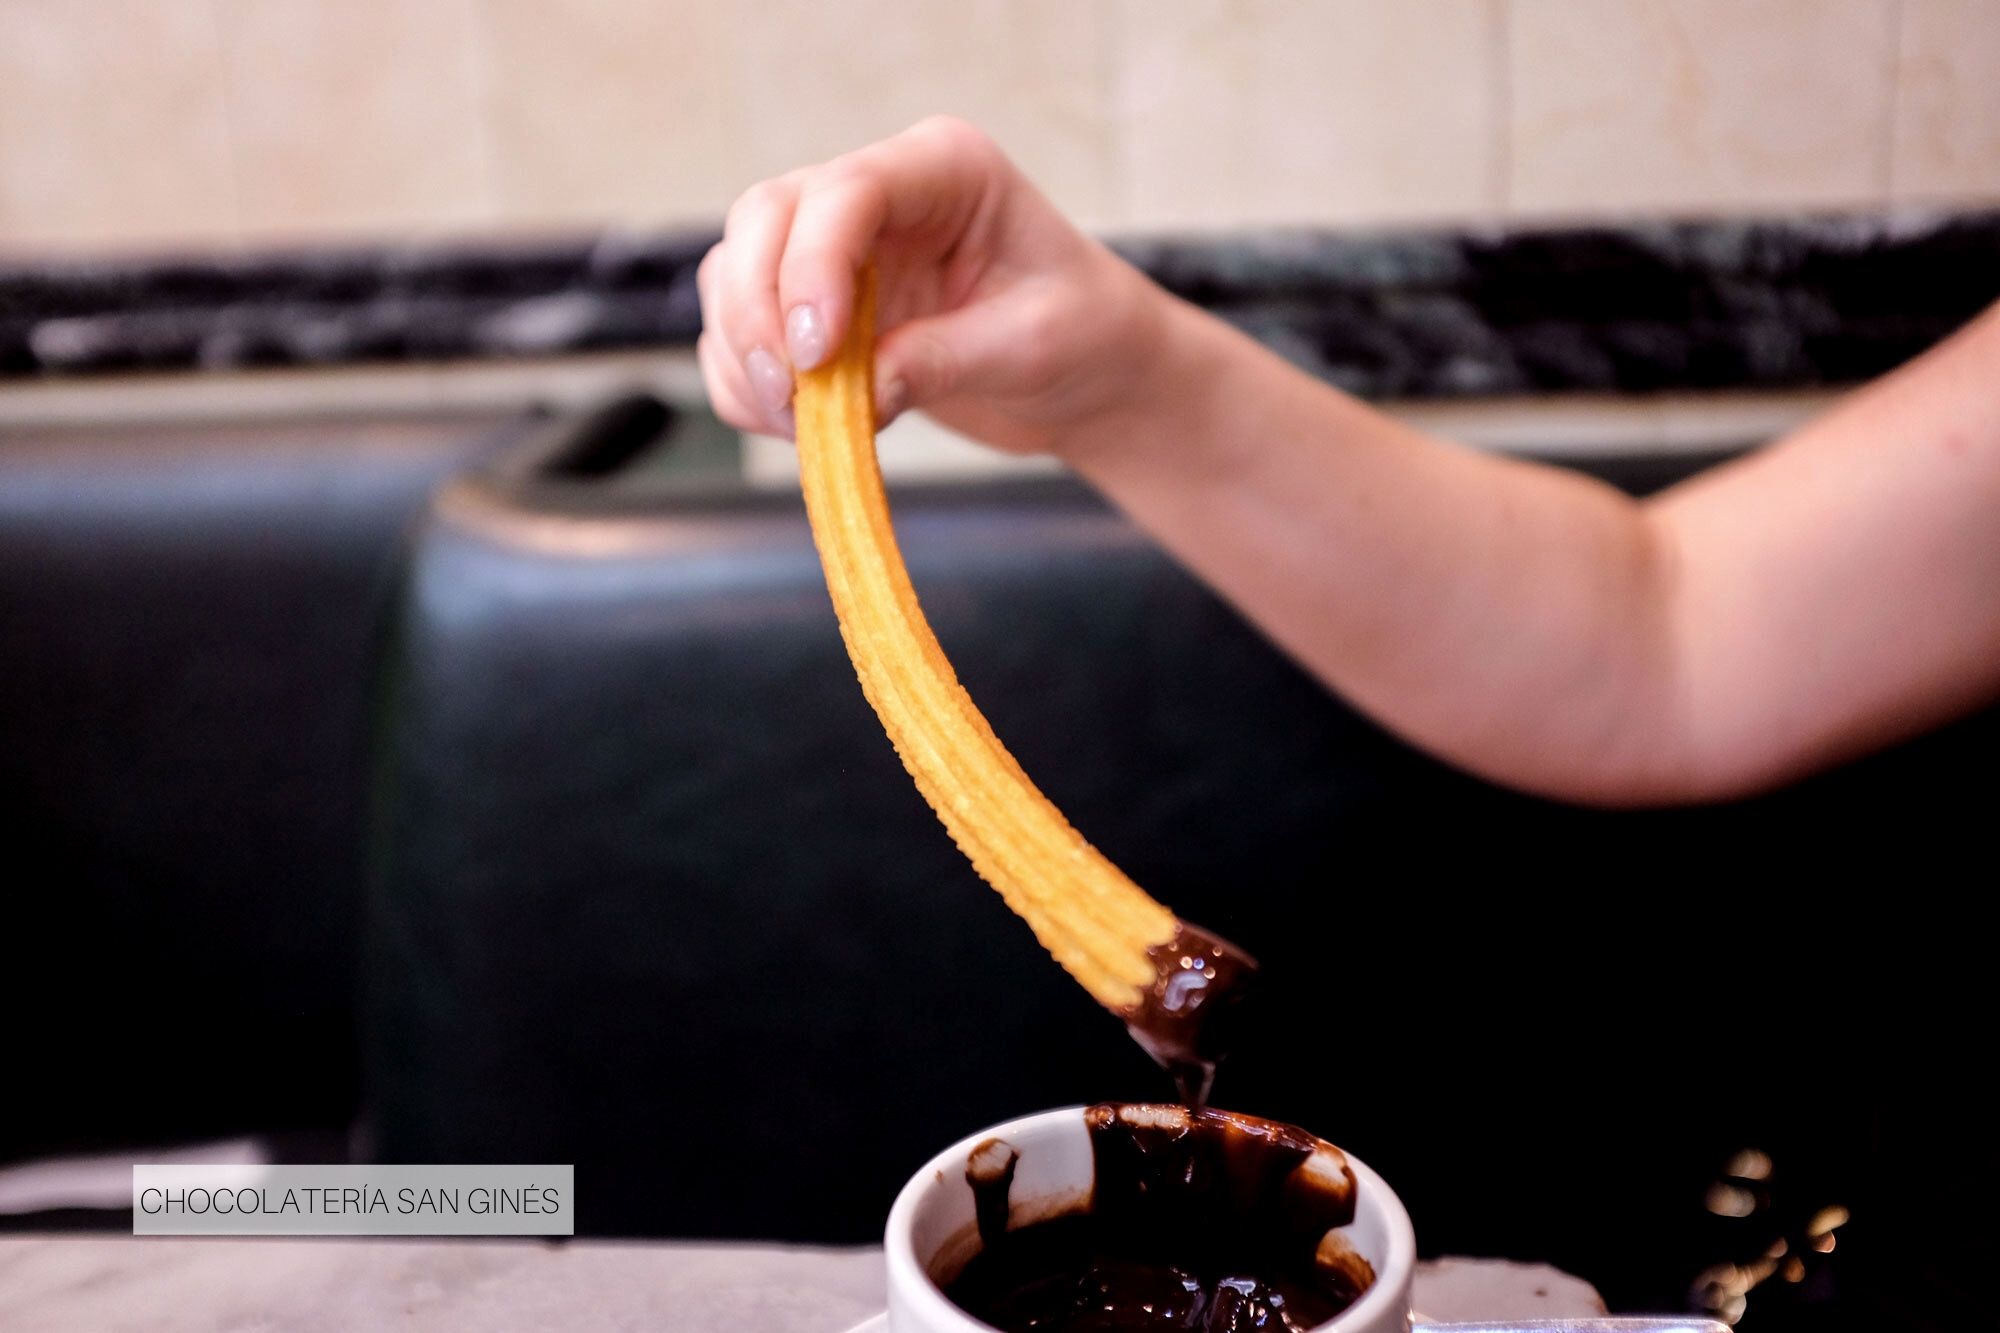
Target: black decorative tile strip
{"type": "Point", "coordinates": [1703, 305]}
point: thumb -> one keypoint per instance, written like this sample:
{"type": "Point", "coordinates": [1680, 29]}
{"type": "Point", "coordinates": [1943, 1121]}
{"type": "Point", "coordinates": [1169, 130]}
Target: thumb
{"type": "Point", "coordinates": [976, 348]}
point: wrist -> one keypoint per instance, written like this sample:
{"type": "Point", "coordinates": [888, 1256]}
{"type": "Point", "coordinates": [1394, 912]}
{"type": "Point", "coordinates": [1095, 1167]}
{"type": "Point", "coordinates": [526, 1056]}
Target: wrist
{"type": "Point", "coordinates": [1159, 382]}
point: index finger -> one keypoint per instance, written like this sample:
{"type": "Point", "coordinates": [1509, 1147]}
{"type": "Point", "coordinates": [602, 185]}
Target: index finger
{"type": "Point", "coordinates": [928, 186]}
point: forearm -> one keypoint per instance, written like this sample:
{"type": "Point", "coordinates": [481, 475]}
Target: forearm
{"type": "Point", "coordinates": [1836, 591]}
{"type": "Point", "coordinates": [1508, 617]}
{"type": "Point", "coordinates": [1829, 594]}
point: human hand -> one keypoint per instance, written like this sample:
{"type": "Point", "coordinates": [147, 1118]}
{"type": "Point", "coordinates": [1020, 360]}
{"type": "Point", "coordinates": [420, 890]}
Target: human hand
{"type": "Point", "coordinates": [995, 314]}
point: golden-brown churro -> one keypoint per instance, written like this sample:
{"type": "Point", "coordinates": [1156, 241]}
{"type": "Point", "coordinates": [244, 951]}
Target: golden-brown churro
{"type": "Point", "coordinates": [1127, 950]}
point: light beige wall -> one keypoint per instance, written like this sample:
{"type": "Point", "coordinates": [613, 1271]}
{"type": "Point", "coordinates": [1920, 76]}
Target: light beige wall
{"type": "Point", "coordinates": [134, 123]}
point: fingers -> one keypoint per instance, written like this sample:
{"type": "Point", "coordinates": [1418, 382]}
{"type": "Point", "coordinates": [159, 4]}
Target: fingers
{"type": "Point", "coordinates": [777, 294]}
{"type": "Point", "coordinates": [927, 184]}
{"type": "Point", "coordinates": [739, 291]}
{"type": "Point", "coordinates": [730, 390]}
{"type": "Point", "coordinates": [729, 393]}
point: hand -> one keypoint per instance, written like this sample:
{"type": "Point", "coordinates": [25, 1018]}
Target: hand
{"type": "Point", "coordinates": [994, 313]}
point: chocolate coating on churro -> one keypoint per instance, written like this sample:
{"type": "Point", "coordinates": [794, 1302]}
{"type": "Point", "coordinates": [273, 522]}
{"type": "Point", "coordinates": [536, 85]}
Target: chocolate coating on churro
{"type": "Point", "coordinates": [1186, 1018]}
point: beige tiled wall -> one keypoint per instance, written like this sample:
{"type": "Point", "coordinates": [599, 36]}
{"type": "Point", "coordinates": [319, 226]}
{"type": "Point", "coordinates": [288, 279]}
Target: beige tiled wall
{"type": "Point", "coordinates": [1705, 104]}
{"type": "Point", "coordinates": [132, 123]}
{"type": "Point", "coordinates": [354, 114]}
{"type": "Point", "coordinates": [812, 78]}
{"type": "Point", "coordinates": [1946, 141]}
{"type": "Point", "coordinates": [113, 123]}
{"type": "Point", "coordinates": [606, 109]}
{"type": "Point", "coordinates": [1277, 111]}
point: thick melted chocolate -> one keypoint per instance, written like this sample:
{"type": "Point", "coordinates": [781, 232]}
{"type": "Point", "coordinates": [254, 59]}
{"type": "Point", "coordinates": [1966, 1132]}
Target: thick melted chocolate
{"type": "Point", "coordinates": [1199, 1220]}
{"type": "Point", "coordinates": [1185, 1019]}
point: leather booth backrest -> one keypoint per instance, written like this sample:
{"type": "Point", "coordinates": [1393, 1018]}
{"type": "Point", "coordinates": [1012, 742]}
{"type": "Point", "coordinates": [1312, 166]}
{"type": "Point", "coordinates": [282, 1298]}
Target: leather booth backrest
{"type": "Point", "coordinates": [655, 897]}
{"type": "Point", "coordinates": [189, 623]}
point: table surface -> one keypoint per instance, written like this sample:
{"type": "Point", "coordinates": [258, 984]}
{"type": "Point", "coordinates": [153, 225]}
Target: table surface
{"type": "Point", "coordinates": [110, 1283]}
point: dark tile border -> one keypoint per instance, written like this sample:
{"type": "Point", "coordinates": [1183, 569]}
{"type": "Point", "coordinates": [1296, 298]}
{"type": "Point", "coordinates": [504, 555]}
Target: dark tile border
{"type": "Point", "coordinates": [1693, 305]}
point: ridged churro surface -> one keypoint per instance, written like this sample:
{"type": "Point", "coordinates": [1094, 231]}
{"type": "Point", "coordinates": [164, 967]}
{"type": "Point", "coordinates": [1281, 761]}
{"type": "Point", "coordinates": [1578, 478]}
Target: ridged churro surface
{"type": "Point", "coordinates": [1090, 917]}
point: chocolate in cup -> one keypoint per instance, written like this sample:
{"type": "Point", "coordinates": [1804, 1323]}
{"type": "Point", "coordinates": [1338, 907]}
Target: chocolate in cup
{"type": "Point", "coordinates": [1121, 1217]}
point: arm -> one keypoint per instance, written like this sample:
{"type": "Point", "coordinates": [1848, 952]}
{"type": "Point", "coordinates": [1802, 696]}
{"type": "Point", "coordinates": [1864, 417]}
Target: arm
{"type": "Point", "coordinates": [1832, 593]}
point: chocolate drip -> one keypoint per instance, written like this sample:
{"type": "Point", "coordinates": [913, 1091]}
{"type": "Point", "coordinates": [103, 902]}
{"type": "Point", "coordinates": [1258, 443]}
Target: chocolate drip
{"type": "Point", "coordinates": [1199, 1219]}
{"type": "Point", "coordinates": [1185, 1019]}
{"type": "Point", "coordinates": [990, 1172]}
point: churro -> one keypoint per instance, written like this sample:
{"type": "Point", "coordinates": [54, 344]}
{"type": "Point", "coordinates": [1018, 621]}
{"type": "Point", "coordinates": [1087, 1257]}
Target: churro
{"type": "Point", "coordinates": [1127, 950]}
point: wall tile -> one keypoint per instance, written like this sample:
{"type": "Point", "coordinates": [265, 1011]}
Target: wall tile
{"type": "Point", "coordinates": [361, 115]}
{"type": "Point", "coordinates": [148, 122]}
{"type": "Point", "coordinates": [611, 110]}
{"type": "Point", "coordinates": [113, 130]}
{"type": "Point", "coordinates": [1947, 142]}
{"type": "Point", "coordinates": [813, 79]}
{"type": "Point", "coordinates": [1262, 111]}
{"type": "Point", "coordinates": [1622, 106]}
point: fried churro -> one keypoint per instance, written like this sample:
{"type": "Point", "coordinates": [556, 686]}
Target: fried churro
{"type": "Point", "coordinates": [1166, 979]}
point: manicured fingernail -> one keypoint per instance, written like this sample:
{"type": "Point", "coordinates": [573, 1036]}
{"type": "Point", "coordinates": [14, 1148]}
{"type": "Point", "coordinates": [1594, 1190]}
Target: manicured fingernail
{"type": "Point", "coordinates": [805, 336]}
{"type": "Point", "coordinates": [768, 380]}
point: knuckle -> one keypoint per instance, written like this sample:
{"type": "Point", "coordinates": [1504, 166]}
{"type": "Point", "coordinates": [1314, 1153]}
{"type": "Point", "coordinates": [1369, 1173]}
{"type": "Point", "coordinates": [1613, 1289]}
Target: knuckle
{"type": "Point", "coordinates": [804, 264]}
{"type": "Point", "coordinates": [954, 131]}
{"type": "Point", "coordinates": [1042, 322]}
{"type": "Point", "coordinates": [849, 179]}
{"type": "Point", "coordinates": [937, 367]}
{"type": "Point", "coordinates": [759, 198]}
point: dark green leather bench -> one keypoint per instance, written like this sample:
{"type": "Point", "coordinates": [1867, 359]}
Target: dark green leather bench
{"type": "Point", "coordinates": [654, 897]}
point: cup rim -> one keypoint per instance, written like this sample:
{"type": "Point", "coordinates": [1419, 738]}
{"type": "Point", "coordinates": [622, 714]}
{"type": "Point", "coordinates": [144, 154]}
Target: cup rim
{"type": "Point", "coordinates": [929, 1303]}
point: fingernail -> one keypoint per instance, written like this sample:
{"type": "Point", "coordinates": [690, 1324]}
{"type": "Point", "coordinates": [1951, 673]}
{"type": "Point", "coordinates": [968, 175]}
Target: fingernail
{"type": "Point", "coordinates": [889, 403]}
{"type": "Point", "coordinates": [768, 380]}
{"type": "Point", "coordinates": [805, 336]}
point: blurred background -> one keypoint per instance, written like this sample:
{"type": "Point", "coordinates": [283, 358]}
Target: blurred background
{"type": "Point", "coordinates": [228, 122]}
{"type": "Point", "coordinates": [444, 131]}
{"type": "Point", "coordinates": [423, 735]}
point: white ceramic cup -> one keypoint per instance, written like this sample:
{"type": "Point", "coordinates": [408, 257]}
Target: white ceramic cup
{"type": "Point", "coordinates": [932, 1226]}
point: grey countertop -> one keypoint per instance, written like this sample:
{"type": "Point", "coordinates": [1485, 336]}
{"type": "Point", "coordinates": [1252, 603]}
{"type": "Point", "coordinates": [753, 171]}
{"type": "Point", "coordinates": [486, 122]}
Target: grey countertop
{"type": "Point", "coordinates": [1647, 306]}
{"type": "Point", "coordinates": [108, 1283]}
